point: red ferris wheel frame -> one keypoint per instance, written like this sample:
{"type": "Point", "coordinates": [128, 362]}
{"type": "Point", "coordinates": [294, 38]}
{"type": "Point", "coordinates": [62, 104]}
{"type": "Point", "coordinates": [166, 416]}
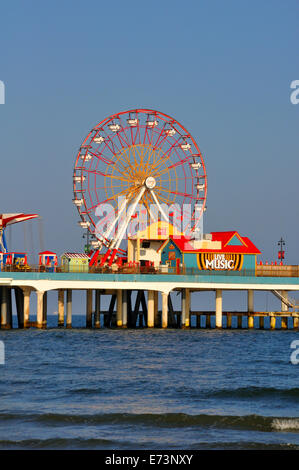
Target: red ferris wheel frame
{"type": "Point", "coordinates": [111, 145]}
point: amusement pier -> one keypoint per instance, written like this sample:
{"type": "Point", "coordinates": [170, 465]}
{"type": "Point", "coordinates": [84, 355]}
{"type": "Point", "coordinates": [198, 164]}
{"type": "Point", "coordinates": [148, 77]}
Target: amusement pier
{"type": "Point", "coordinates": [140, 188]}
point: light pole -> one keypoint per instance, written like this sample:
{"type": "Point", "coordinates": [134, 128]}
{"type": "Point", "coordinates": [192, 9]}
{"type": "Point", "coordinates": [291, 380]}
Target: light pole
{"type": "Point", "coordinates": [281, 244]}
{"type": "Point", "coordinates": [87, 246]}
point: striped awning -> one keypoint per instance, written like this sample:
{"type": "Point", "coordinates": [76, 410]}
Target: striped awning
{"type": "Point", "coordinates": [9, 219]}
{"type": "Point", "coordinates": [76, 255]}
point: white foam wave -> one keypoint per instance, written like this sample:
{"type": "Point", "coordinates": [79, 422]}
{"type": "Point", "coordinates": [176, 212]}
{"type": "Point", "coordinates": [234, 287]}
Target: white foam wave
{"type": "Point", "coordinates": [283, 424]}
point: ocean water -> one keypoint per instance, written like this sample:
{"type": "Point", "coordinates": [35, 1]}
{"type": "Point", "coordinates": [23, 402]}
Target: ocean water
{"type": "Point", "coordinates": [148, 389]}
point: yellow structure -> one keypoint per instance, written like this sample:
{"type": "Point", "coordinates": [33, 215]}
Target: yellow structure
{"type": "Point", "coordinates": [144, 245]}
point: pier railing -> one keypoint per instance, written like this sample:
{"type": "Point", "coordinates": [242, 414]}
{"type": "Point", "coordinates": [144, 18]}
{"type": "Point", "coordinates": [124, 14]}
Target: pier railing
{"type": "Point", "coordinates": [260, 271]}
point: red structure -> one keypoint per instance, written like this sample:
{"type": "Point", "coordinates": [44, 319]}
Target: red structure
{"type": "Point", "coordinates": [10, 219]}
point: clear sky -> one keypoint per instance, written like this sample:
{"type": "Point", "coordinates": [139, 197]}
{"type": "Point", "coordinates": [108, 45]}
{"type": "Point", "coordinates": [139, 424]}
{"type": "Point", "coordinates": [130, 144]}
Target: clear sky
{"type": "Point", "coordinates": [221, 68]}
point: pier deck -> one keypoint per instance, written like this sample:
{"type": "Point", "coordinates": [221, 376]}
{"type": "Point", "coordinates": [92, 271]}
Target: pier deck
{"type": "Point", "coordinates": [122, 313]}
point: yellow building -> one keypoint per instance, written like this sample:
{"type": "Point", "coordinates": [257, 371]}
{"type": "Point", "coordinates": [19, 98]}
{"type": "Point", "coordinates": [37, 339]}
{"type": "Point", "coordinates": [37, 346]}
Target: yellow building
{"type": "Point", "coordinates": [144, 246]}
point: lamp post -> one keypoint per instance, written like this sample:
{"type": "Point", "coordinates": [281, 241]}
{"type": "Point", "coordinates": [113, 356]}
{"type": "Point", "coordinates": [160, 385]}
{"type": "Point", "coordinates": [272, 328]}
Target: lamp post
{"type": "Point", "coordinates": [281, 244]}
{"type": "Point", "coordinates": [87, 246]}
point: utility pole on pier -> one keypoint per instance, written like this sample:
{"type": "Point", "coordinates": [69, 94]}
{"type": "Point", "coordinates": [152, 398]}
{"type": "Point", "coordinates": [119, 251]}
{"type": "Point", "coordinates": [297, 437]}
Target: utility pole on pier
{"type": "Point", "coordinates": [281, 252]}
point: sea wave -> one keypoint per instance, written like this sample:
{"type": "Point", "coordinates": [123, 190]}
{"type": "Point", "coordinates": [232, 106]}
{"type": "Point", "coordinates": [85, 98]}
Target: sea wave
{"type": "Point", "coordinates": [59, 443]}
{"type": "Point", "coordinates": [163, 420]}
{"type": "Point", "coordinates": [255, 392]}
{"type": "Point", "coordinates": [286, 424]}
{"type": "Point", "coordinates": [107, 444]}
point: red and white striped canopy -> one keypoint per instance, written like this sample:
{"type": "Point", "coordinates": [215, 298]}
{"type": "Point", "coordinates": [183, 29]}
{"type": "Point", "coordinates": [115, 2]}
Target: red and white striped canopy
{"type": "Point", "coordinates": [9, 219]}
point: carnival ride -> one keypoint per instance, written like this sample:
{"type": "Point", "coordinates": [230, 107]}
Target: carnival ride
{"type": "Point", "coordinates": [128, 163]}
{"type": "Point", "coordinates": [10, 219]}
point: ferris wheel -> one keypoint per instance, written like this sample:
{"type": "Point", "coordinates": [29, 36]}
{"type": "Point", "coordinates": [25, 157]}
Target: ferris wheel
{"type": "Point", "coordinates": [142, 158]}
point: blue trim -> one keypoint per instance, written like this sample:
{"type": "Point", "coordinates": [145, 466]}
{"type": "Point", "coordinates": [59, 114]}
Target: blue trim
{"type": "Point", "coordinates": [161, 278]}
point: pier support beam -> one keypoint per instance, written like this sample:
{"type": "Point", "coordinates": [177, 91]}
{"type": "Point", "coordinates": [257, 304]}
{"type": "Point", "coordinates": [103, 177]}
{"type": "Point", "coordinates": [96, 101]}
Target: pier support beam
{"type": "Point", "coordinates": [60, 307]}
{"type": "Point", "coordinates": [39, 309]}
{"type": "Point", "coordinates": [284, 307]}
{"type": "Point", "coordinates": [284, 323]}
{"type": "Point", "coordinates": [250, 321]}
{"type": "Point", "coordinates": [228, 321]}
{"type": "Point", "coordinates": [272, 322]}
{"type": "Point", "coordinates": [124, 308]}
{"type": "Point", "coordinates": [156, 309]}
{"type": "Point", "coordinates": [97, 315]}
{"type": "Point", "coordinates": [19, 296]}
{"type": "Point", "coordinates": [4, 309]}
{"type": "Point", "coordinates": [26, 291]}
{"type": "Point", "coordinates": [9, 308]}
{"type": "Point", "coordinates": [218, 308]}
{"type": "Point", "coordinates": [295, 323]}
{"type": "Point", "coordinates": [88, 308]}
{"type": "Point", "coordinates": [45, 306]}
{"type": "Point", "coordinates": [119, 316]}
{"type": "Point", "coordinates": [151, 309]}
{"type": "Point", "coordinates": [250, 307]}
{"type": "Point", "coordinates": [164, 310]}
{"type": "Point", "coordinates": [69, 295]}
{"type": "Point", "coordinates": [185, 318]}
{"type": "Point", "coordinates": [109, 320]}
{"type": "Point", "coordinates": [250, 301]}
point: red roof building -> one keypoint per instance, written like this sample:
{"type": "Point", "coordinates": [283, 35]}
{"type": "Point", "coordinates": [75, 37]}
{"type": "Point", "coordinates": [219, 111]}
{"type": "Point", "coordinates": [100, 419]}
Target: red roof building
{"type": "Point", "coordinates": [218, 250]}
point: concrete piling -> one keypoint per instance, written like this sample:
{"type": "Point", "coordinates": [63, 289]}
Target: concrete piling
{"type": "Point", "coordinates": [124, 309]}
{"type": "Point", "coordinates": [26, 292]}
{"type": "Point", "coordinates": [119, 316]}
{"type": "Point", "coordinates": [250, 321]}
{"type": "Point", "coordinates": [151, 309]}
{"type": "Point", "coordinates": [218, 296]}
{"type": "Point", "coordinates": [88, 308]}
{"type": "Point", "coordinates": [60, 307]}
{"type": "Point", "coordinates": [45, 305]}
{"type": "Point", "coordinates": [185, 317]}
{"type": "Point", "coordinates": [284, 307]}
{"type": "Point", "coordinates": [9, 308]}
{"type": "Point", "coordinates": [250, 301]}
{"type": "Point", "coordinates": [69, 308]}
{"type": "Point", "coordinates": [284, 323]}
{"type": "Point", "coordinates": [272, 322]}
{"type": "Point", "coordinates": [4, 322]}
{"type": "Point", "coordinates": [157, 321]}
{"type": "Point", "coordinates": [19, 298]}
{"type": "Point", "coordinates": [39, 309]}
{"type": "Point", "coordinates": [97, 315]}
{"type": "Point", "coordinates": [164, 310]}
{"type": "Point", "coordinates": [250, 308]}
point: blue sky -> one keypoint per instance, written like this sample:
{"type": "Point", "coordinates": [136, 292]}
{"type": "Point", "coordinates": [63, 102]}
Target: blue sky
{"type": "Point", "coordinates": [222, 69]}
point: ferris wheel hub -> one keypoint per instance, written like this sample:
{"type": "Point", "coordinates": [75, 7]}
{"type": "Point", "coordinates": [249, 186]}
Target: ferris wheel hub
{"type": "Point", "coordinates": [150, 182]}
